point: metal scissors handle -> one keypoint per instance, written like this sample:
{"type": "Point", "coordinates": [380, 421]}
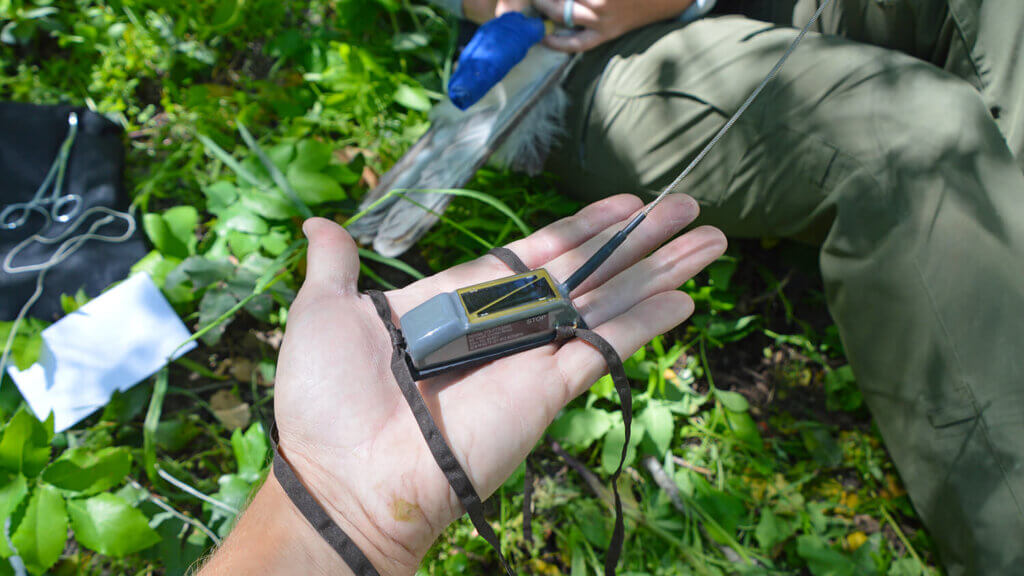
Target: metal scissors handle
{"type": "Point", "coordinates": [62, 208]}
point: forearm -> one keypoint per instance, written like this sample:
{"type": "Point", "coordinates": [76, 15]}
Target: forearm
{"type": "Point", "coordinates": [272, 537]}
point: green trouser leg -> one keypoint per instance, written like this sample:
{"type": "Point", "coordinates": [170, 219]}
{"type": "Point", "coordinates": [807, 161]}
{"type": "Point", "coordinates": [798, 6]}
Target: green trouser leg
{"type": "Point", "coordinates": [981, 41]}
{"type": "Point", "coordinates": [898, 170]}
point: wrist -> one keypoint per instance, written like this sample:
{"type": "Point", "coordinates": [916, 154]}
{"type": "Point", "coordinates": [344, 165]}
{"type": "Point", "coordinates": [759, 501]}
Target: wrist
{"type": "Point", "coordinates": [390, 555]}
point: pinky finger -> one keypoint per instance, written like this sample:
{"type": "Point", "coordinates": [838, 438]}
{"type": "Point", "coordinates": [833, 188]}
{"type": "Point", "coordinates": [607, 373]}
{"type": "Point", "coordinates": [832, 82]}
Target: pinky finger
{"type": "Point", "coordinates": [576, 42]}
{"type": "Point", "coordinates": [582, 364]}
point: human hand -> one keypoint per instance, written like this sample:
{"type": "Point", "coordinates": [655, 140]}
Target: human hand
{"type": "Point", "coordinates": [481, 11]}
{"type": "Point", "coordinates": [604, 20]}
{"type": "Point", "coordinates": [345, 427]}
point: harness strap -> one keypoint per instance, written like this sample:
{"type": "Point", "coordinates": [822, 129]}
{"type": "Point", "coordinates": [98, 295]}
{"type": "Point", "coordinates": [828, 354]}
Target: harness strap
{"type": "Point", "coordinates": [443, 455]}
{"type": "Point", "coordinates": [316, 515]}
{"type": "Point", "coordinates": [510, 259]}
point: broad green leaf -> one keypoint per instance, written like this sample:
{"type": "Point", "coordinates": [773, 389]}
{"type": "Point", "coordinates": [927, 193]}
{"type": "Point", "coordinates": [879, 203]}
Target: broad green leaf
{"type": "Point", "coordinates": [250, 450]}
{"type": "Point", "coordinates": [85, 472]}
{"type": "Point", "coordinates": [281, 154]}
{"type": "Point", "coordinates": [107, 524]}
{"type": "Point", "coordinates": [276, 241]}
{"type": "Point", "coordinates": [43, 530]}
{"type": "Point", "coordinates": [269, 204]}
{"type": "Point", "coordinates": [744, 428]}
{"type": "Point", "coordinates": [820, 443]}
{"type": "Point", "coordinates": [772, 530]}
{"type": "Point", "coordinates": [841, 391]}
{"type": "Point", "coordinates": [311, 155]}
{"type": "Point", "coordinates": [238, 217]}
{"type": "Point", "coordinates": [413, 97]}
{"type": "Point", "coordinates": [27, 344]}
{"type": "Point", "coordinates": [657, 421]}
{"type": "Point", "coordinates": [603, 388]}
{"type": "Point", "coordinates": [823, 560]}
{"type": "Point", "coordinates": [581, 427]}
{"type": "Point", "coordinates": [725, 509]}
{"type": "Point", "coordinates": [215, 303]}
{"type": "Point", "coordinates": [733, 401]}
{"type": "Point", "coordinates": [200, 271]}
{"type": "Point", "coordinates": [908, 566]}
{"type": "Point", "coordinates": [220, 196]}
{"type": "Point", "coordinates": [613, 441]}
{"type": "Point", "coordinates": [13, 488]}
{"type": "Point", "coordinates": [314, 187]}
{"type": "Point", "coordinates": [173, 232]}
{"type": "Point", "coordinates": [25, 446]}
{"type": "Point", "coordinates": [242, 244]}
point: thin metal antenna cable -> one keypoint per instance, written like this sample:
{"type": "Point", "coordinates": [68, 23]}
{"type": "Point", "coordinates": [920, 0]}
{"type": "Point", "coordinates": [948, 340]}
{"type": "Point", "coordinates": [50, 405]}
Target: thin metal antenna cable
{"type": "Point", "coordinates": [605, 251]}
{"type": "Point", "coordinates": [739, 112]}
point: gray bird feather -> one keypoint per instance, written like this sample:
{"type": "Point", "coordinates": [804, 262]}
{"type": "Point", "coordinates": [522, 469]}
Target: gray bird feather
{"type": "Point", "coordinates": [514, 126]}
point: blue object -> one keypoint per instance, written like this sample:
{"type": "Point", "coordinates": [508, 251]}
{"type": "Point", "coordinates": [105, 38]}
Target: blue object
{"type": "Point", "coordinates": [495, 49]}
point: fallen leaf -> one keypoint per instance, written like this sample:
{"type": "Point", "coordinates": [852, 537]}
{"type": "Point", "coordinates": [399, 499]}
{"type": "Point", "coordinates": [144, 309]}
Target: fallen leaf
{"type": "Point", "coordinates": [230, 410]}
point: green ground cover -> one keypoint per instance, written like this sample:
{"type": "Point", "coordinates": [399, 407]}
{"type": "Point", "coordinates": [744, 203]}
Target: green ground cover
{"type": "Point", "coordinates": [752, 452]}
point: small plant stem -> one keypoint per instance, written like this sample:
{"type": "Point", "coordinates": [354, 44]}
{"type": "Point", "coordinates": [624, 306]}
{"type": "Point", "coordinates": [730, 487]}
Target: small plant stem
{"type": "Point", "coordinates": [149, 426]}
{"type": "Point", "coordinates": [196, 493]}
{"type": "Point", "coordinates": [174, 512]}
{"type": "Point", "coordinates": [899, 534]}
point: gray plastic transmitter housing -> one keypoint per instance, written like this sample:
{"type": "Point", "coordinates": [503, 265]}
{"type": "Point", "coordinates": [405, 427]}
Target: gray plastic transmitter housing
{"type": "Point", "coordinates": [484, 322]}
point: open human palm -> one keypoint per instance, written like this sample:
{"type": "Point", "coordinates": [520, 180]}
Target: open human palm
{"type": "Point", "coordinates": [346, 428]}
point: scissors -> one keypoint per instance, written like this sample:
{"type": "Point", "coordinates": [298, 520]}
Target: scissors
{"type": "Point", "coordinates": [55, 206]}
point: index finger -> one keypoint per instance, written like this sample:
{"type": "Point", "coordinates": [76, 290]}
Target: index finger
{"type": "Point", "coordinates": [535, 251]}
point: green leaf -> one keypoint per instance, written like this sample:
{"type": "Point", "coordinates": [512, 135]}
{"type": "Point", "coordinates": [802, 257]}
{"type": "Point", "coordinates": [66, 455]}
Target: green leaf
{"type": "Point", "coordinates": [13, 488]}
{"type": "Point", "coordinates": [820, 443]}
{"type": "Point", "coordinates": [201, 271]}
{"type": "Point", "coordinates": [613, 441]}
{"type": "Point", "coordinates": [270, 204]}
{"type": "Point", "coordinates": [28, 341]}
{"type": "Point", "coordinates": [174, 232]}
{"type": "Point", "coordinates": [657, 421]}
{"type": "Point", "coordinates": [238, 217]}
{"type": "Point", "coordinates": [413, 97]}
{"type": "Point", "coordinates": [242, 244]}
{"type": "Point", "coordinates": [215, 303]}
{"type": "Point", "coordinates": [906, 567]}
{"type": "Point", "coordinates": [220, 196]}
{"type": "Point", "coordinates": [841, 391]}
{"type": "Point", "coordinates": [725, 509]}
{"type": "Point", "coordinates": [314, 187]}
{"type": "Point", "coordinates": [822, 560]}
{"type": "Point", "coordinates": [107, 524]}
{"type": "Point", "coordinates": [43, 530]}
{"type": "Point", "coordinates": [251, 450]}
{"type": "Point", "coordinates": [311, 156]}
{"type": "Point", "coordinates": [85, 472]}
{"type": "Point", "coordinates": [733, 401]}
{"type": "Point", "coordinates": [744, 428]}
{"type": "Point", "coordinates": [581, 427]}
{"type": "Point", "coordinates": [772, 530]}
{"type": "Point", "coordinates": [25, 446]}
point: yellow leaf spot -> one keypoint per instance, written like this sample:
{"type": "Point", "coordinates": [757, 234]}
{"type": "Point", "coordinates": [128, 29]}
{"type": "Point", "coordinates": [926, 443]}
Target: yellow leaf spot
{"type": "Point", "coordinates": [855, 540]}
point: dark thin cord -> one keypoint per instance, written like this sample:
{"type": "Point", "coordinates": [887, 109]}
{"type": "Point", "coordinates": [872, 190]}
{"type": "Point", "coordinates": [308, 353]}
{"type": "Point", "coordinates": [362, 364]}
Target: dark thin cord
{"type": "Point", "coordinates": [605, 251]}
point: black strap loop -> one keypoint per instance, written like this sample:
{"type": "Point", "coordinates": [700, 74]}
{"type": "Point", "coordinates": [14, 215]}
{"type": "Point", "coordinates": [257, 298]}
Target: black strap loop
{"type": "Point", "coordinates": [317, 516]}
{"type": "Point", "coordinates": [443, 455]}
{"type": "Point", "coordinates": [510, 259]}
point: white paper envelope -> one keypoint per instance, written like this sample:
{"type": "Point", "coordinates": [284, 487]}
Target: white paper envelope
{"type": "Point", "coordinates": [112, 343]}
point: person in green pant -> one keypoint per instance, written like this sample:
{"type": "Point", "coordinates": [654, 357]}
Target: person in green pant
{"type": "Point", "coordinates": [894, 138]}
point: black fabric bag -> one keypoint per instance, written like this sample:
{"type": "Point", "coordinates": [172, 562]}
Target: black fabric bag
{"type": "Point", "coordinates": [30, 139]}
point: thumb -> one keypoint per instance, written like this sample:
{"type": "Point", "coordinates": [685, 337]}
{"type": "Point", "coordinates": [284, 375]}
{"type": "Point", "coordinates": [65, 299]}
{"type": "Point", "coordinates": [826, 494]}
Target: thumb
{"type": "Point", "coordinates": [332, 262]}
